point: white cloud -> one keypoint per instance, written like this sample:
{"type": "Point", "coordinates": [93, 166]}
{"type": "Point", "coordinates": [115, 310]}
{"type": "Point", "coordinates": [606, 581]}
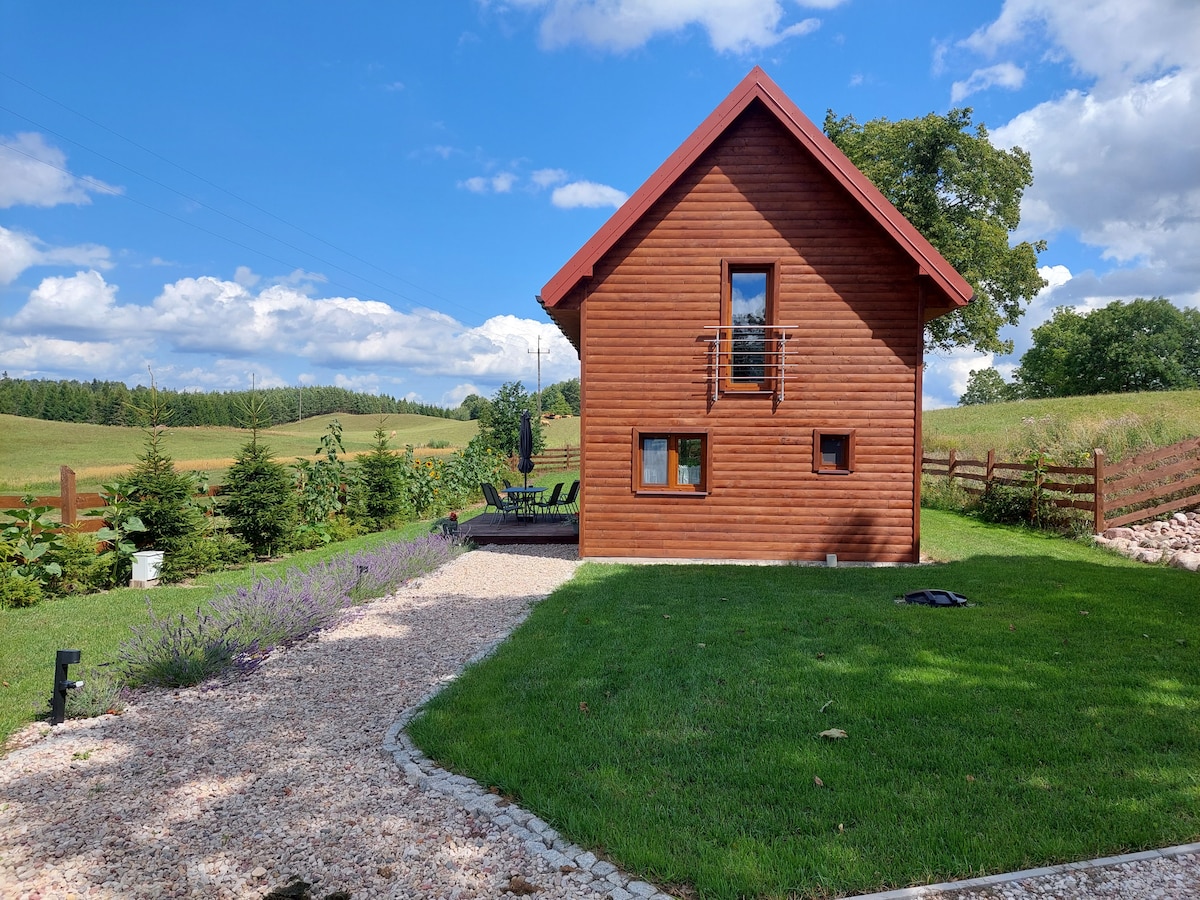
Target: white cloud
{"type": "Point", "coordinates": [1006, 75]}
{"type": "Point", "coordinates": [457, 394]}
{"type": "Point", "coordinates": [244, 276]}
{"type": "Point", "coordinates": [1123, 172]}
{"type": "Point", "coordinates": [241, 329]}
{"type": "Point", "coordinates": [499, 184]}
{"type": "Point", "coordinates": [544, 178]}
{"type": "Point", "coordinates": [1114, 41]}
{"type": "Point", "coordinates": [34, 173]}
{"type": "Point", "coordinates": [19, 252]}
{"type": "Point", "coordinates": [733, 26]}
{"type": "Point", "coordinates": [587, 193]}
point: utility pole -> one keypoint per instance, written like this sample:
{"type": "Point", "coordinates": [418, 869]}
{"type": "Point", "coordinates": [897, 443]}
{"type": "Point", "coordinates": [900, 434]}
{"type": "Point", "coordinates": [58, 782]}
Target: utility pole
{"type": "Point", "coordinates": [539, 353]}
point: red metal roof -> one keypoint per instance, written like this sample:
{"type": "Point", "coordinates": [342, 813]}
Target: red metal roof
{"type": "Point", "coordinates": [758, 86]}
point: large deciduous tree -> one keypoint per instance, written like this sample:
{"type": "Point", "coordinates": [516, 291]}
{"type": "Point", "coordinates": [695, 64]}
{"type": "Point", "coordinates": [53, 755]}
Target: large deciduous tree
{"type": "Point", "coordinates": [1144, 345]}
{"type": "Point", "coordinates": [500, 420]}
{"type": "Point", "coordinates": [964, 195]}
{"type": "Point", "coordinates": [986, 386]}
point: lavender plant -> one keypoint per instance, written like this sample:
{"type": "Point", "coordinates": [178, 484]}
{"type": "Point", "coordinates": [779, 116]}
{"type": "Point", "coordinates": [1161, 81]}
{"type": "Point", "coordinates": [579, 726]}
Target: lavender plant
{"type": "Point", "coordinates": [177, 653]}
{"type": "Point", "coordinates": [243, 624]}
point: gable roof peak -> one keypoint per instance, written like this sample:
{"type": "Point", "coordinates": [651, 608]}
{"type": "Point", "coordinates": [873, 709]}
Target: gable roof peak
{"type": "Point", "coordinates": [757, 85]}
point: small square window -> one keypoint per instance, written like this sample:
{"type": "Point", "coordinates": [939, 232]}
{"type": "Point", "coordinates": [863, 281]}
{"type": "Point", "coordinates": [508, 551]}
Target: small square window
{"type": "Point", "coordinates": [833, 452]}
{"type": "Point", "coordinates": [670, 462]}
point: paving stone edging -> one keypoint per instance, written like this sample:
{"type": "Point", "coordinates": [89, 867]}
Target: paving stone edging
{"type": "Point", "coordinates": [538, 837]}
{"type": "Point", "coordinates": [1047, 871]}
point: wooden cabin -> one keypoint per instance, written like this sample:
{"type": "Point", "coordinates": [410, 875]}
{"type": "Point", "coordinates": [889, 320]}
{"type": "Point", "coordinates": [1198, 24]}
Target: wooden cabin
{"type": "Point", "coordinates": [750, 327]}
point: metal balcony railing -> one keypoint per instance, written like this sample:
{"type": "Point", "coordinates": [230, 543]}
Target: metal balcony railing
{"type": "Point", "coordinates": [748, 359]}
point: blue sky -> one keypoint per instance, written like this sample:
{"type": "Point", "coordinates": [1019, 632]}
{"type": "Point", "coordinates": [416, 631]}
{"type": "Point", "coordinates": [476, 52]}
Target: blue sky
{"type": "Point", "coordinates": [371, 195]}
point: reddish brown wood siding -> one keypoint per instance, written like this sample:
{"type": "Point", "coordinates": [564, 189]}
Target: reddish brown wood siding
{"type": "Point", "coordinates": [853, 293]}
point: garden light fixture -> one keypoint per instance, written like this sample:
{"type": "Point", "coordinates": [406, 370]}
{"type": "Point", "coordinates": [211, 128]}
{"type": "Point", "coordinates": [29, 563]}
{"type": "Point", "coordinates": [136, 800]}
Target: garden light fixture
{"type": "Point", "coordinates": [58, 700]}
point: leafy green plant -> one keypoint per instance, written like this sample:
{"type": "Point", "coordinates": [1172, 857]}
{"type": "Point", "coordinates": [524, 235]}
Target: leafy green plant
{"type": "Point", "coordinates": [121, 524]}
{"type": "Point", "coordinates": [321, 484]}
{"type": "Point", "coordinates": [32, 537]}
{"type": "Point", "coordinates": [16, 591]}
{"type": "Point", "coordinates": [83, 569]}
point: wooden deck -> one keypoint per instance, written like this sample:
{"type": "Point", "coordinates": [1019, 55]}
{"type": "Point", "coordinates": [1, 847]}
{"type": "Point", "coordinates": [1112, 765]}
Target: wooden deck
{"type": "Point", "coordinates": [490, 528]}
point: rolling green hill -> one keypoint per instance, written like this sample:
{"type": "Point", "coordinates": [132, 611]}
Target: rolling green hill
{"type": "Point", "coordinates": [32, 449]}
{"type": "Point", "coordinates": [1066, 427]}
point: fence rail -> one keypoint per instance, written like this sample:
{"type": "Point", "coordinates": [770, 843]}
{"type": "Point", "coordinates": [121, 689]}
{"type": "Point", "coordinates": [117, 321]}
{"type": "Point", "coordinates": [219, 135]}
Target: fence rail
{"type": "Point", "coordinates": [73, 507]}
{"type": "Point", "coordinates": [1139, 488]}
{"type": "Point", "coordinates": [560, 458]}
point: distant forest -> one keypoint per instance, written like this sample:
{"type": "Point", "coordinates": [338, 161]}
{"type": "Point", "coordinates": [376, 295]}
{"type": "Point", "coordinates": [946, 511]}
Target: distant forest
{"type": "Point", "coordinates": [113, 403]}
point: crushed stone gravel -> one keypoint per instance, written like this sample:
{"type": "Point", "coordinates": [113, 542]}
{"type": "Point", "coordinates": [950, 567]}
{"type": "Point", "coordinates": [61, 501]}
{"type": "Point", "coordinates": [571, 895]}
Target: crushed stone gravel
{"type": "Point", "coordinates": [231, 790]}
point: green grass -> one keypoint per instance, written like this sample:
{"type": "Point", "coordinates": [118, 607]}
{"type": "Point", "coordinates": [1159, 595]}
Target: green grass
{"type": "Point", "coordinates": [1068, 427]}
{"type": "Point", "coordinates": [34, 449]}
{"type": "Point", "coordinates": [97, 624]}
{"type": "Point", "coordinates": [1058, 719]}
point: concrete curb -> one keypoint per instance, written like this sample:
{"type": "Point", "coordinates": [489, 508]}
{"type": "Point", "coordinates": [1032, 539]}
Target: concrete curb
{"type": "Point", "coordinates": [1046, 871]}
{"type": "Point", "coordinates": [537, 836]}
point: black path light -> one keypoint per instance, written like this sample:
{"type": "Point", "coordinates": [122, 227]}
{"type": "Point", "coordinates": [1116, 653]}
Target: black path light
{"type": "Point", "coordinates": [58, 700]}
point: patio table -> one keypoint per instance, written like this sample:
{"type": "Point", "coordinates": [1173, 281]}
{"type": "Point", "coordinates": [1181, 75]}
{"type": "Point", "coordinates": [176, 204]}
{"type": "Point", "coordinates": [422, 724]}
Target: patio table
{"type": "Point", "coordinates": [526, 498]}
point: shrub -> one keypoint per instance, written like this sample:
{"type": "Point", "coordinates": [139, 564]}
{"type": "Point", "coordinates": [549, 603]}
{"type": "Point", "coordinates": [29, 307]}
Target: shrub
{"type": "Point", "coordinates": [162, 498]}
{"type": "Point", "coordinates": [940, 492]}
{"type": "Point", "coordinates": [177, 653]}
{"type": "Point", "coordinates": [17, 592]}
{"type": "Point", "coordinates": [379, 500]}
{"type": "Point", "coordinates": [100, 693]}
{"type": "Point", "coordinates": [83, 570]}
{"type": "Point", "coordinates": [212, 550]}
{"type": "Point", "coordinates": [1012, 505]}
{"type": "Point", "coordinates": [260, 500]}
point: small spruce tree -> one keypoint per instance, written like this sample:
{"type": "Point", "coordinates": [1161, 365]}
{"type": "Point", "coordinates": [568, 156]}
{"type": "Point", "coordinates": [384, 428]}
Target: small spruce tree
{"type": "Point", "coordinates": [380, 484]}
{"type": "Point", "coordinates": [260, 496]}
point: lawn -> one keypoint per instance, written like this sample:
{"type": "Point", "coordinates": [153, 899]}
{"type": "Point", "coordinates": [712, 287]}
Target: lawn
{"type": "Point", "coordinates": [669, 717]}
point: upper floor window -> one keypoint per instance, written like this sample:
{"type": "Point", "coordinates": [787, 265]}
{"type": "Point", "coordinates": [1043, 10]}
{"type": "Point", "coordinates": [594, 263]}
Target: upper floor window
{"type": "Point", "coordinates": [747, 338]}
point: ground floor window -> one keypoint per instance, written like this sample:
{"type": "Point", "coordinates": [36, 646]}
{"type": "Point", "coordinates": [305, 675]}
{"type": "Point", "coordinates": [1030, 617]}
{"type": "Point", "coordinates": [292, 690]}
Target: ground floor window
{"type": "Point", "coordinates": [670, 461]}
{"type": "Point", "coordinates": [833, 452]}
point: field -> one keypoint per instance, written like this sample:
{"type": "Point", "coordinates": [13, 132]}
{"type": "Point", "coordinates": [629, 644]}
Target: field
{"type": "Point", "coordinates": [1120, 424]}
{"type": "Point", "coordinates": [33, 450]}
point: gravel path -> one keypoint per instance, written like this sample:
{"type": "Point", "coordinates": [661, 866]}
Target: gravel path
{"type": "Point", "coordinates": [231, 791]}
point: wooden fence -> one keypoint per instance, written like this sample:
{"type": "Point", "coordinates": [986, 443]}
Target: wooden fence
{"type": "Point", "coordinates": [554, 460]}
{"type": "Point", "coordinates": [1136, 489]}
{"type": "Point", "coordinates": [71, 505]}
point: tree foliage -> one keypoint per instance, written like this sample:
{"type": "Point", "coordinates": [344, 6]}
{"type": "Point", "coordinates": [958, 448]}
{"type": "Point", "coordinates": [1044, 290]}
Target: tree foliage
{"type": "Point", "coordinates": [1143, 345]}
{"type": "Point", "coordinates": [260, 497]}
{"type": "Point", "coordinates": [964, 195]}
{"type": "Point", "coordinates": [109, 402]}
{"type": "Point", "coordinates": [986, 386]}
{"type": "Point", "coordinates": [500, 420]}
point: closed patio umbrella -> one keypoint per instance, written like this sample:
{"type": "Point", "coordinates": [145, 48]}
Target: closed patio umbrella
{"type": "Point", "coordinates": [525, 447]}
